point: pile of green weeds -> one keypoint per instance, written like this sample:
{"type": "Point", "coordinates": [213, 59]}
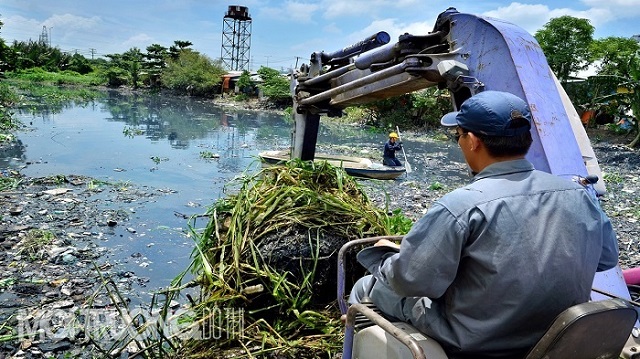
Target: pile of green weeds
{"type": "Point", "coordinates": [325, 208]}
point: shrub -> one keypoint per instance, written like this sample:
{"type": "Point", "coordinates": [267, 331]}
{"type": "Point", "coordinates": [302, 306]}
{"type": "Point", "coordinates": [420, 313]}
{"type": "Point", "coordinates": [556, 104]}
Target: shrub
{"type": "Point", "coordinates": [192, 73]}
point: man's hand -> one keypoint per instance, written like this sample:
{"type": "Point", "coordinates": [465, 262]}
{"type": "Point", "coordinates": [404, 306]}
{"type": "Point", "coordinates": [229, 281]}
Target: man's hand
{"type": "Point", "coordinates": [386, 242]}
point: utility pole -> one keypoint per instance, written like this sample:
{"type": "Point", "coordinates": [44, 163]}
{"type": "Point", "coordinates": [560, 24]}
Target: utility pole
{"type": "Point", "coordinates": [93, 51]}
{"type": "Point", "coordinates": [267, 56]}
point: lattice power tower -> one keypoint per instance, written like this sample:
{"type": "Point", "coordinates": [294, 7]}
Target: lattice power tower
{"type": "Point", "coordinates": [236, 38]}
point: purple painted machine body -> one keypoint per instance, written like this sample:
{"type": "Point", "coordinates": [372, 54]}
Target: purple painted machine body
{"type": "Point", "coordinates": [507, 58]}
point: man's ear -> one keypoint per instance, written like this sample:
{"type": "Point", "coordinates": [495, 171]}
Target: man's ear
{"type": "Point", "coordinates": [474, 142]}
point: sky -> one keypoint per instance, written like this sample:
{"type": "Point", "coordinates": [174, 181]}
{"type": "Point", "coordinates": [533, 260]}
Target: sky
{"type": "Point", "coordinates": [283, 33]}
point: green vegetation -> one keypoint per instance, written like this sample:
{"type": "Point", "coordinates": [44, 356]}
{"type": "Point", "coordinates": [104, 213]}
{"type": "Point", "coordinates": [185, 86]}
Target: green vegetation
{"type": "Point", "coordinates": [613, 178]}
{"type": "Point", "coordinates": [565, 41]}
{"type": "Point", "coordinates": [302, 212]}
{"type": "Point", "coordinates": [245, 84]}
{"type": "Point", "coordinates": [275, 86]}
{"type": "Point", "coordinates": [7, 123]}
{"type": "Point", "coordinates": [4, 50]}
{"type": "Point", "coordinates": [8, 183]}
{"type": "Point", "coordinates": [7, 332]}
{"type": "Point", "coordinates": [35, 240]}
{"type": "Point", "coordinates": [625, 97]}
{"type": "Point", "coordinates": [156, 159]}
{"type": "Point", "coordinates": [420, 109]}
{"type": "Point", "coordinates": [355, 114]}
{"type": "Point", "coordinates": [192, 73]}
{"type": "Point", "coordinates": [53, 179]}
{"type": "Point", "coordinates": [209, 155]}
{"type": "Point", "coordinates": [616, 55]}
{"type": "Point", "coordinates": [41, 76]}
{"type": "Point", "coordinates": [7, 99]}
{"type": "Point", "coordinates": [569, 47]}
{"type": "Point", "coordinates": [94, 184]}
{"type": "Point", "coordinates": [132, 132]}
{"type": "Point", "coordinates": [398, 223]}
{"type": "Point", "coordinates": [53, 97]}
{"type": "Point", "coordinates": [178, 68]}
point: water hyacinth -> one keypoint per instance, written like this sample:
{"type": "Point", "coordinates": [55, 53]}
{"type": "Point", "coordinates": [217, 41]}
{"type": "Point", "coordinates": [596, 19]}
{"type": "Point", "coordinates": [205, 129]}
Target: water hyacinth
{"type": "Point", "coordinates": [271, 249]}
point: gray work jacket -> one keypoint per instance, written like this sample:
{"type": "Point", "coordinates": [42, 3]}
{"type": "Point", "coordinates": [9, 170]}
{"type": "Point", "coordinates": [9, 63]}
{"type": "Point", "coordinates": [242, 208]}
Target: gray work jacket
{"type": "Point", "coordinates": [500, 258]}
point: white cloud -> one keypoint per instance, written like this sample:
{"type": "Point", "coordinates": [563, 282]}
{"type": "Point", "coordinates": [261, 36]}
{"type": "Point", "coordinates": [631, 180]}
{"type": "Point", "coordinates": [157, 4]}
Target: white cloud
{"type": "Point", "coordinates": [73, 22]}
{"type": "Point", "coordinates": [64, 30]}
{"type": "Point", "coordinates": [532, 17]}
{"type": "Point", "coordinates": [529, 17]}
{"type": "Point", "coordinates": [374, 27]}
{"type": "Point", "coordinates": [622, 8]}
{"type": "Point", "coordinates": [332, 28]}
{"type": "Point", "coordinates": [291, 11]}
{"type": "Point", "coordinates": [341, 8]}
{"type": "Point", "coordinates": [67, 28]}
{"type": "Point", "coordinates": [418, 28]}
{"type": "Point", "coordinates": [20, 28]}
{"type": "Point", "coordinates": [394, 27]}
{"type": "Point", "coordinates": [141, 41]}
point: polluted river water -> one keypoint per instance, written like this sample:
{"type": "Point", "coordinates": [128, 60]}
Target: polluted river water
{"type": "Point", "coordinates": [181, 150]}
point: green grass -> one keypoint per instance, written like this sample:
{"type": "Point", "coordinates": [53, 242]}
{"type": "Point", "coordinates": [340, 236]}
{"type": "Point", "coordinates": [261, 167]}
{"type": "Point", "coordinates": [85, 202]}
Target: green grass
{"type": "Point", "coordinates": [38, 75]}
{"type": "Point", "coordinates": [7, 332]}
{"type": "Point", "coordinates": [613, 178]}
{"type": "Point", "coordinates": [94, 184]}
{"type": "Point", "coordinates": [209, 155]}
{"type": "Point", "coordinates": [34, 241]}
{"type": "Point", "coordinates": [49, 94]}
{"type": "Point", "coordinates": [8, 97]}
{"type": "Point", "coordinates": [9, 183]}
{"type": "Point", "coordinates": [37, 87]}
{"type": "Point", "coordinates": [436, 186]}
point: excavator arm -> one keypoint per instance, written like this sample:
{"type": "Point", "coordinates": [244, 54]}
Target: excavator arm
{"type": "Point", "coordinates": [465, 54]}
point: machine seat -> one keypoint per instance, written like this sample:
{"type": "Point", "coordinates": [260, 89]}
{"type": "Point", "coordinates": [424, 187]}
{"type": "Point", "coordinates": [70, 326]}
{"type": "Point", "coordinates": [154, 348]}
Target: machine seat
{"type": "Point", "coordinates": [592, 330]}
{"type": "Point", "coordinates": [589, 330]}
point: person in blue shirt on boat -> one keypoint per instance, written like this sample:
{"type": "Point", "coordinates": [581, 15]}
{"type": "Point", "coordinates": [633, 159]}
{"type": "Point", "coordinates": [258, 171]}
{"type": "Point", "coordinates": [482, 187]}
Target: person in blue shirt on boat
{"type": "Point", "coordinates": [390, 147]}
{"type": "Point", "coordinates": [490, 265]}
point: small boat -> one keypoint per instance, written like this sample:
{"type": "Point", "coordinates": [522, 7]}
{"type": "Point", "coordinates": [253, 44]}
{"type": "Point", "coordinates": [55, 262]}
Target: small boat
{"type": "Point", "coordinates": [354, 166]}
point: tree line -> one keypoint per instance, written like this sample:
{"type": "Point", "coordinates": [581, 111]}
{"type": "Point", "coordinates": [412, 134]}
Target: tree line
{"type": "Point", "coordinates": [178, 67]}
{"type": "Point", "coordinates": [614, 90]}
{"type": "Point", "coordinates": [566, 41]}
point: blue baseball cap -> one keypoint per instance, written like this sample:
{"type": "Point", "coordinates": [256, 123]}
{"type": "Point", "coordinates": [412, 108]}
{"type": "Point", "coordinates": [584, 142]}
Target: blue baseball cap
{"type": "Point", "coordinates": [491, 113]}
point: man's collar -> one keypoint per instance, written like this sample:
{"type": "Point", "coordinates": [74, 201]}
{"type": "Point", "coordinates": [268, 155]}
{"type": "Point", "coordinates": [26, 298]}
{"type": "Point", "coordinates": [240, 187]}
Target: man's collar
{"type": "Point", "coordinates": [504, 168]}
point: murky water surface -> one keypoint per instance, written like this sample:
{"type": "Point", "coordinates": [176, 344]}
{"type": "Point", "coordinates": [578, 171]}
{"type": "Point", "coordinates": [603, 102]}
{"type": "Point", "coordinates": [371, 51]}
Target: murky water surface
{"type": "Point", "coordinates": [160, 143]}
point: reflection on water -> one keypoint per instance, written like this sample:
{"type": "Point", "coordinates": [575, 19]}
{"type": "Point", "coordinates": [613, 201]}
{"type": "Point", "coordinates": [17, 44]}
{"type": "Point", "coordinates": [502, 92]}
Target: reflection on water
{"type": "Point", "coordinates": [154, 142]}
{"type": "Point", "coordinates": [126, 130]}
{"type": "Point", "coordinates": [158, 142]}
